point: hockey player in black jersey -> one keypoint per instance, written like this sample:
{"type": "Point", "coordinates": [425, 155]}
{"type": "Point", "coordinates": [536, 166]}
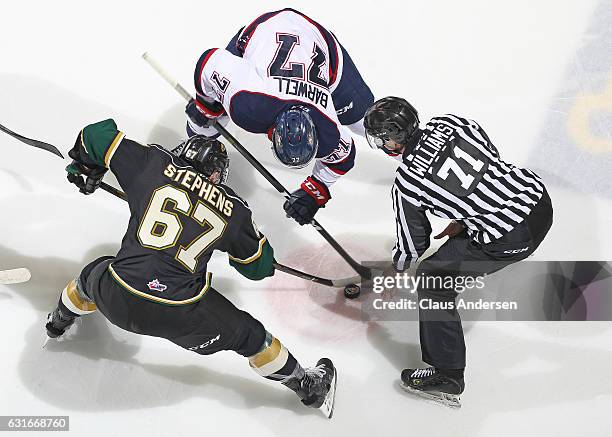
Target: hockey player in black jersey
{"type": "Point", "coordinates": [499, 214]}
{"type": "Point", "coordinates": [158, 284]}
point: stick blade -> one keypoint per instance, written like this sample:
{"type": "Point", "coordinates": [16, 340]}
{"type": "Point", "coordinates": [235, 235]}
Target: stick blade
{"type": "Point", "coordinates": [30, 142]}
{"type": "Point", "coordinates": [14, 276]}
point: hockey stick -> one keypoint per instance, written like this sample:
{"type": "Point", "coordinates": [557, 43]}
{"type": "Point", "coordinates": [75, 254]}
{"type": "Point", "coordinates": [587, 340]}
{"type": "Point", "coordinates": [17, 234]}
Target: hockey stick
{"type": "Point", "coordinates": [50, 148]}
{"type": "Point", "coordinates": [14, 276]}
{"type": "Point", "coordinates": [23, 275]}
{"type": "Point", "coordinates": [31, 142]}
{"type": "Point", "coordinates": [328, 282]}
{"type": "Point", "coordinates": [291, 271]}
{"type": "Point", "coordinates": [362, 270]}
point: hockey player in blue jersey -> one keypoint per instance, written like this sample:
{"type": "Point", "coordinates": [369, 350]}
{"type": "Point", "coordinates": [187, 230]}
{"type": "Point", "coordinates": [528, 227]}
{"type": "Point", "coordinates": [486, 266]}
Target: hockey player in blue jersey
{"type": "Point", "coordinates": [286, 76]}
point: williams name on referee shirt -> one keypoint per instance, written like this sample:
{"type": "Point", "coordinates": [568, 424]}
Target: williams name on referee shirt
{"type": "Point", "coordinates": [499, 213]}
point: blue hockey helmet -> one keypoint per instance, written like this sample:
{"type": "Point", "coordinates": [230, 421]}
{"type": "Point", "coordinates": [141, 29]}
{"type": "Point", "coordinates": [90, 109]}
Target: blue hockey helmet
{"type": "Point", "coordinates": [294, 138]}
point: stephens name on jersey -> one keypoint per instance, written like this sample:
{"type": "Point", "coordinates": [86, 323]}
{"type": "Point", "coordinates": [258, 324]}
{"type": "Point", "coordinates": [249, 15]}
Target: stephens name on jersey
{"type": "Point", "coordinates": [205, 190]}
{"type": "Point", "coordinates": [178, 219]}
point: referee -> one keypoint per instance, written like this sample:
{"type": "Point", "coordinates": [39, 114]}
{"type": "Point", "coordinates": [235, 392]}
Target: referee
{"type": "Point", "coordinates": [499, 213]}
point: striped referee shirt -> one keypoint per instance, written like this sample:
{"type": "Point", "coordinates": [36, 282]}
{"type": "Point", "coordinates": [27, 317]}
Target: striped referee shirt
{"type": "Point", "coordinates": [455, 172]}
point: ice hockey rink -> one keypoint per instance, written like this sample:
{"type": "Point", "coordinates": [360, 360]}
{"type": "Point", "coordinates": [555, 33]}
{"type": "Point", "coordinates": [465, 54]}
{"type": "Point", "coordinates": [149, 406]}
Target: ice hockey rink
{"type": "Point", "coordinates": [537, 75]}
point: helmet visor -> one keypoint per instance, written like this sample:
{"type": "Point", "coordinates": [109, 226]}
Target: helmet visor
{"type": "Point", "coordinates": [216, 167]}
{"type": "Point", "coordinates": [392, 142]}
{"type": "Point", "coordinates": [376, 140]}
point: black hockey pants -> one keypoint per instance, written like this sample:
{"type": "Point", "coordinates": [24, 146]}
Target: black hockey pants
{"type": "Point", "coordinates": [441, 333]}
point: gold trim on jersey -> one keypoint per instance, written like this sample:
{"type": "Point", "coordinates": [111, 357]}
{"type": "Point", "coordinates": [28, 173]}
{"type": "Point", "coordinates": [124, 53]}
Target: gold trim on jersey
{"type": "Point", "coordinates": [113, 148]}
{"type": "Point", "coordinates": [83, 141]}
{"type": "Point", "coordinates": [253, 257]}
{"type": "Point", "coordinates": [157, 299]}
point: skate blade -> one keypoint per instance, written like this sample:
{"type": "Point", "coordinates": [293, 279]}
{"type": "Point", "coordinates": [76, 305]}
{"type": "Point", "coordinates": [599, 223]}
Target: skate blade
{"type": "Point", "coordinates": [50, 340]}
{"type": "Point", "coordinates": [66, 335]}
{"type": "Point", "coordinates": [446, 399]}
{"type": "Point", "coordinates": [330, 399]}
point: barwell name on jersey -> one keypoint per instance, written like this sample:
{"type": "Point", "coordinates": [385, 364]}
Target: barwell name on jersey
{"type": "Point", "coordinates": [299, 88]}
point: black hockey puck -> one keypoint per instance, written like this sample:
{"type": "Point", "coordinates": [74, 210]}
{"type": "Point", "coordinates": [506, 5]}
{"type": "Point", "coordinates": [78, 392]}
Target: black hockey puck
{"type": "Point", "coordinates": [352, 291]}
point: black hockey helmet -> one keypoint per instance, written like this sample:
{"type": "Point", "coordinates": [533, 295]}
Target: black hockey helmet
{"type": "Point", "coordinates": [208, 156]}
{"type": "Point", "coordinates": [390, 118]}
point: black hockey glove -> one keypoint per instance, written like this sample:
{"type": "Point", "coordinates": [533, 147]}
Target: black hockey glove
{"type": "Point", "coordinates": [203, 115]}
{"type": "Point", "coordinates": [77, 169]}
{"type": "Point", "coordinates": [306, 201]}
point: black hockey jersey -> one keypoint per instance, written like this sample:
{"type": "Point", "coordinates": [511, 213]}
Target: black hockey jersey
{"type": "Point", "coordinates": [177, 220]}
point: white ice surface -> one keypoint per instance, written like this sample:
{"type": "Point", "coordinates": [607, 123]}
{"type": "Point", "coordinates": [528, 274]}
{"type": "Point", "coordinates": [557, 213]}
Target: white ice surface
{"type": "Point", "coordinates": [67, 63]}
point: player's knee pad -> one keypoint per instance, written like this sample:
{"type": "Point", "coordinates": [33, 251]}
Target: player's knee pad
{"type": "Point", "coordinates": [82, 280]}
{"type": "Point", "coordinates": [271, 358]}
{"type": "Point", "coordinates": [252, 335]}
{"type": "Point", "coordinates": [76, 301]}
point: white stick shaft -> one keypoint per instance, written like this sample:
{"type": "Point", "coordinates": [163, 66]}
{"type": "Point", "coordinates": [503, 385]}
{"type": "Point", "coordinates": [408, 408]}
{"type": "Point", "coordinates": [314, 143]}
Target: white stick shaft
{"type": "Point", "coordinates": [163, 73]}
{"type": "Point", "coordinates": [14, 276]}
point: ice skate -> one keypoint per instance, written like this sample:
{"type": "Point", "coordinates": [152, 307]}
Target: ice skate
{"type": "Point", "coordinates": [430, 384]}
{"type": "Point", "coordinates": [57, 324]}
{"type": "Point", "coordinates": [317, 389]}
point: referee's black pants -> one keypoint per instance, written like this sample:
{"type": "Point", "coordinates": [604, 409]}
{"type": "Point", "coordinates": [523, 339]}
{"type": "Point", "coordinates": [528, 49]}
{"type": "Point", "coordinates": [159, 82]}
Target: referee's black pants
{"type": "Point", "coordinates": [441, 333]}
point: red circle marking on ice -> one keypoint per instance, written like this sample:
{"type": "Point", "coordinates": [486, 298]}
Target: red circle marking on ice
{"type": "Point", "coordinates": [318, 311]}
